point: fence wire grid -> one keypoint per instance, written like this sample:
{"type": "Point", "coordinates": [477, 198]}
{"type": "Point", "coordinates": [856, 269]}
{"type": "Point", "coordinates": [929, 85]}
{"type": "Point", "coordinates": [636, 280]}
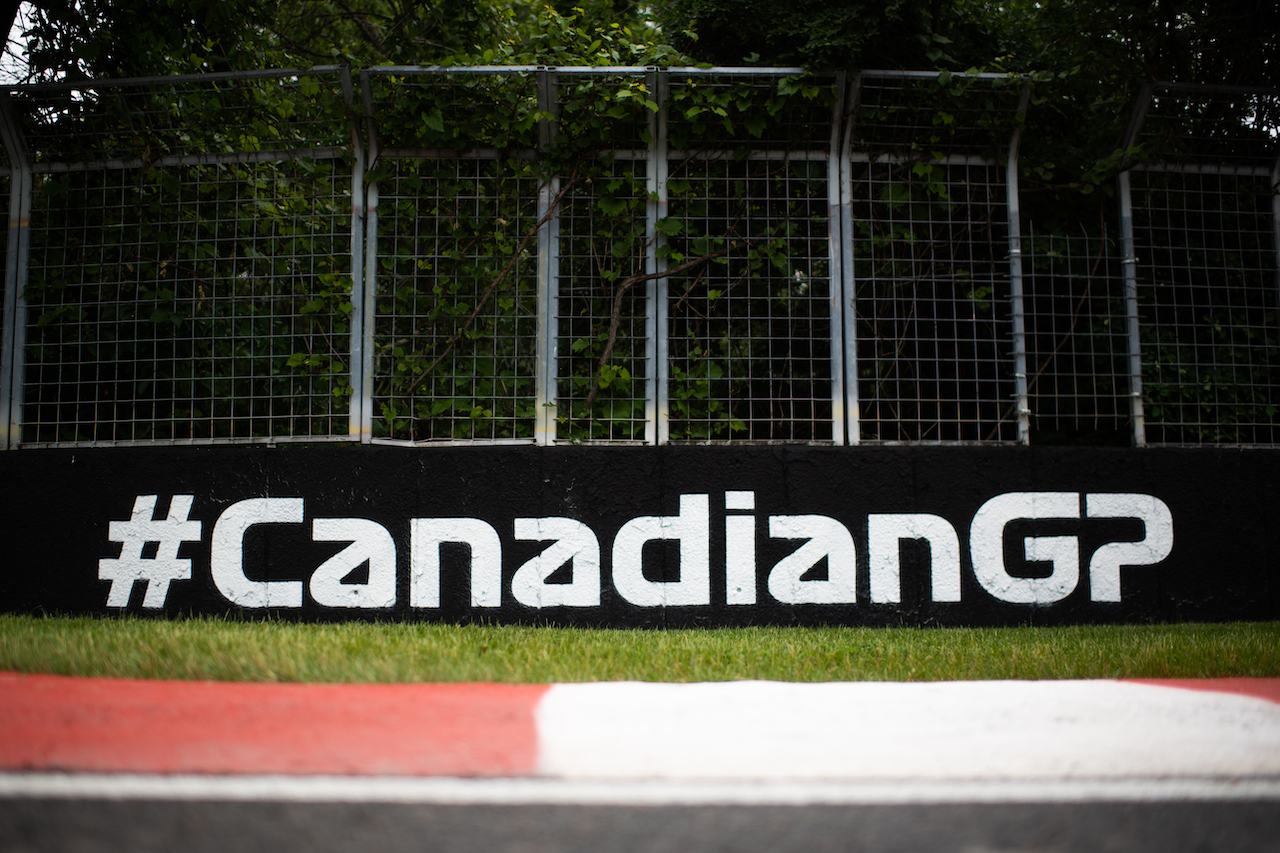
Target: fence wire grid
{"type": "Point", "coordinates": [189, 240]}
{"type": "Point", "coordinates": [624, 255]}
{"type": "Point", "coordinates": [1205, 237]}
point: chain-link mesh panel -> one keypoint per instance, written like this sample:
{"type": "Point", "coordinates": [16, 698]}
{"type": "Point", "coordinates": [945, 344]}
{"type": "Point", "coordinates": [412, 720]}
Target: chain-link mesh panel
{"type": "Point", "coordinates": [930, 247]}
{"type": "Point", "coordinates": [191, 241]}
{"type": "Point", "coordinates": [1077, 351]}
{"type": "Point", "coordinates": [930, 295]}
{"type": "Point", "coordinates": [189, 303]}
{"type": "Point", "coordinates": [750, 325]}
{"type": "Point", "coordinates": [10, 304]}
{"type": "Point", "coordinates": [1204, 207]}
{"type": "Point", "coordinates": [457, 300]}
{"type": "Point", "coordinates": [1230, 129]}
{"type": "Point", "coordinates": [455, 335]}
{"type": "Point", "coordinates": [420, 111]}
{"type": "Point", "coordinates": [930, 117]}
{"type": "Point", "coordinates": [1208, 303]}
{"type": "Point", "coordinates": [750, 339]}
{"type": "Point", "coordinates": [599, 114]}
{"type": "Point", "coordinates": [151, 122]}
{"type": "Point", "coordinates": [190, 260]}
{"type": "Point", "coordinates": [603, 364]}
{"type": "Point", "coordinates": [605, 358]}
{"type": "Point", "coordinates": [6, 179]}
{"type": "Point", "coordinates": [741, 112]}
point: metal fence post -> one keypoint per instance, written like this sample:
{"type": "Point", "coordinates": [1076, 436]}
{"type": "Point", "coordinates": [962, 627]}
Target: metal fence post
{"type": "Point", "coordinates": [657, 425]}
{"type": "Point", "coordinates": [547, 326]}
{"type": "Point", "coordinates": [848, 285]}
{"type": "Point", "coordinates": [1129, 263]}
{"type": "Point", "coordinates": [835, 277]}
{"type": "Point", "coordinates": [1015, 273]}
{"type": "Point", "coordinates": [355, 416]}
{"type": "Point", "coordinates": [367, 306]}
{"type": "Point", "coordinates": [1275, 216]}
{"type": "Point", "coordinates": [12, 356]}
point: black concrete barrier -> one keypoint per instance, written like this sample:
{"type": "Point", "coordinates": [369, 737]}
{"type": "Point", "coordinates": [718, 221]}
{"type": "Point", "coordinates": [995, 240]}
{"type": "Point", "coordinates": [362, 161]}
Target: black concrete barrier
{"type": "Point", "coordinates": [669, 536]}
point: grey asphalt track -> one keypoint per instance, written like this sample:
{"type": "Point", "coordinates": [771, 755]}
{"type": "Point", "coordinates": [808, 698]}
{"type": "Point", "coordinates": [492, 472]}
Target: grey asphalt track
{"type": "Point", "coordinates": [88, 826]}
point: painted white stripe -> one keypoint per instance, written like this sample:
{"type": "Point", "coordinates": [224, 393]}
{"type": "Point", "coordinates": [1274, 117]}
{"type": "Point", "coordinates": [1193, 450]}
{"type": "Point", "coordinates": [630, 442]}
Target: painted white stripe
{"type": "Point", "coordinates": [526, 791]}
{"type": "Point", "coordinates": [993, 731]}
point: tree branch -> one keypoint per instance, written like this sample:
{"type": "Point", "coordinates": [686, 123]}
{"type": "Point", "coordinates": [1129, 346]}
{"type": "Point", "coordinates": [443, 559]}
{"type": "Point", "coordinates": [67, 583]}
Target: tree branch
{"type": "Point", "coordinates": [493, 286]}
{"type": "Point", "coordinates": [619, 292]}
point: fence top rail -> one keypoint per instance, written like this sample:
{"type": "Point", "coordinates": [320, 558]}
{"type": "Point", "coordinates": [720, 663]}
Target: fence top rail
{"type": "Point", "coordinates": [1206, 169]}
{"type": "Point", "coordinates": [125, 82]}
{"type": "Point", "coordinates": [934, 75]}
{"type": "Point", "coordinates": [267, 73]}
{"type": "Point", "coordinates": [770, 71]}
{"type": "Point", "coordinates": [323, 152]}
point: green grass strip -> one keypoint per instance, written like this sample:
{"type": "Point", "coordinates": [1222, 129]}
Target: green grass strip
{"type": "Point", "coordinates": [229, 650]}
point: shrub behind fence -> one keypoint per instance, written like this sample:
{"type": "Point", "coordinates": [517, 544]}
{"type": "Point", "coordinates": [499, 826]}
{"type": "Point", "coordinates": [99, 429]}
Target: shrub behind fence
{"type": "Point", "coordinates": [624, 255]}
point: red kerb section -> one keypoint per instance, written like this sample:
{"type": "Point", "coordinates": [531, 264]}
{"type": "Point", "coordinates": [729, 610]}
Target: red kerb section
{"type": "Point", "coordinates": [1261, 688]}
{"type": "Point", "coordinates": [118, 725]}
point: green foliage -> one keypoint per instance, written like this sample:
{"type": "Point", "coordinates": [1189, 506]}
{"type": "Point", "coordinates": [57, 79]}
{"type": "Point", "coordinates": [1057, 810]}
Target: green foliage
{"type": "Point", "coordinates": [602, 246]}
{"type": "Point", "coordinates": [458, 307]}
{"type": "Point", "coordinates": [230, 281]}
{"type": "Point", "coordinates": [186, 300]}
{"type": "Point", "coordinates": [543, 34]}
{"type": "Point", "coordinates": [750, 341]}
{"type": "Point", "coordinates": [821, 34]}
{"type": "Point", "coordinates": [1088, 60]}
{"type": "Point", "coordinates": [1218, 391]}
{"type": "Point", "coordinates": [109, 38]}
{"type": "Point", "coordinates": [177, 333]}
{"type": "Point", "coordinates": [1210, 336]}
{"type": "Point", "coordinates": [442, 372]}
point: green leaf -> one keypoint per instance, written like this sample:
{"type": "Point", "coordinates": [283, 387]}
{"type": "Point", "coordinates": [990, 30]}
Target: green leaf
{"type": "Point", "coordinates": [611, 206]}
{"type": "Point", "coordinates": [434, 120]}
{"type": "Point", "coordinates": [670, 227]}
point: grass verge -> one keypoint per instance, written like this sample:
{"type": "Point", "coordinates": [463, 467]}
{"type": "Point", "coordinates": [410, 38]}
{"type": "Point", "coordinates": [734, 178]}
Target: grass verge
{"type": "Point", "coordinates": [356, 652]}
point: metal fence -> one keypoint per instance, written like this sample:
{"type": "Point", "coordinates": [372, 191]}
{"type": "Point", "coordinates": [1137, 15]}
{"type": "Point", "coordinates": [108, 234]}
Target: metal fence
{"type": "Point", "coordinates": [1078, 366]}
{"type": "Point", "coordinates": [1205, 229]}
{"type": "Point", "coordinates": [181, 239]}
{"type": "Point", "coordinates": [931, 231]}
{"type": "Point", "coordinates": [623, 255]}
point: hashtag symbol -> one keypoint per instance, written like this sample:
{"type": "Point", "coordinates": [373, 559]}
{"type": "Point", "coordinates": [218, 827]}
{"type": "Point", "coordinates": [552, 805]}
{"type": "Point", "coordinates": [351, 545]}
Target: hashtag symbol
{"type": "Point", "coordinates": [158, 570]}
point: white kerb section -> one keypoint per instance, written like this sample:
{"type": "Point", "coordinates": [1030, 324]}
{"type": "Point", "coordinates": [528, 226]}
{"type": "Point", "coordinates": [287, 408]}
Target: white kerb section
{"type": "Point", "coordinates": [980, 730]}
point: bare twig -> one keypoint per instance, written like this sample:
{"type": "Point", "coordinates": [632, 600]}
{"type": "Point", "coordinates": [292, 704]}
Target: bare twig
{"type": "Point", "coordinates": [493, 286]}
{"type": "Point", "coordinates": [620, 291]}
